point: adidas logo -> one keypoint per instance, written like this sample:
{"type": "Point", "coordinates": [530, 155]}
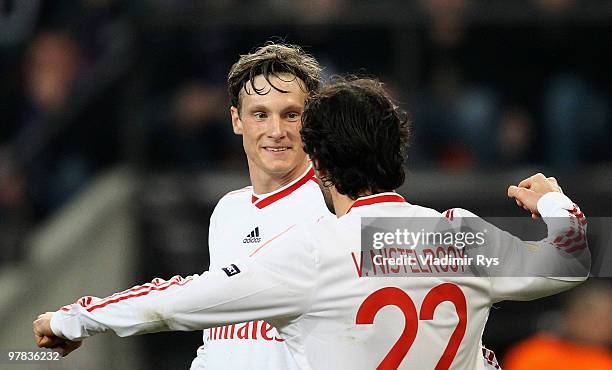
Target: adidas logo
{"type": "Point", "coordinates": [253, 236]}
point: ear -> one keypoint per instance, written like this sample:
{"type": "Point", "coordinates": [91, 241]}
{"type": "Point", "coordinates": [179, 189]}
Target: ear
{"type": "Point", "coordinates": [236, 122]}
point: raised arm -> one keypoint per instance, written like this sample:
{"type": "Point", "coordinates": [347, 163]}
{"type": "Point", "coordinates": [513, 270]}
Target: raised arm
{"type": "Point", "coordinates": [532, 269]}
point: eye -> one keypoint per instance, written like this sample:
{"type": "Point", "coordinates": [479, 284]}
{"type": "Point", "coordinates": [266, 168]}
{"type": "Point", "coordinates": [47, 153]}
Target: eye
{"type": "Point", "coordinates": [293, 116]}
{"type": "Point", "coordinates": [260, 115]}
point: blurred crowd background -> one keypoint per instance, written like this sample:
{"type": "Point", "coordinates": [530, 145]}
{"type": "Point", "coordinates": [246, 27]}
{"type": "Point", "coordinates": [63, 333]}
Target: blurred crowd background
{"type": "Point", "coordinates": [91, 84]}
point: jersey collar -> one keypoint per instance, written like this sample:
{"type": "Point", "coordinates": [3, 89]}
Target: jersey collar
{"type": "Point", "coordinates": [263, 200]}
{"type": "Point", "coordinates": [388, 197]}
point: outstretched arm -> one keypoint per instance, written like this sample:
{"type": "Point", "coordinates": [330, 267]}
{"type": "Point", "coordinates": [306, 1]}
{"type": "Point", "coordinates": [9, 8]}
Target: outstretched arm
{"type": "Point", "coordinates": [265, 288]}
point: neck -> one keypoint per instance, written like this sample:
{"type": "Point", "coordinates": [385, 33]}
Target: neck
{"type": "Point", "coordinates": [265, 183]}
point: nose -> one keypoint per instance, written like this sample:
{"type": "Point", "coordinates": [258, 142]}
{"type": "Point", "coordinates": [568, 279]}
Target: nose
{"type": "Point", "coordinates": [275, 129]}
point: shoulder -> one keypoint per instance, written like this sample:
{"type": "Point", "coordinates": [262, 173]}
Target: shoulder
{"type": "Point", "coordinates": [235, 197]}
{"type": "Point", "coordinates": [307, 202]}
{"type": "Point", "coordinates": [449, 214]}
{"type": "Point", "coordinates": [459, 217]}
{"type": "Point", "coordinates": [411, 210]}
{"type": "Point", "coordinates": [452, 213]}
{"type": "Point", "coordinates": [237, 193]}
{"type": "Point", "coordinates": [309, 192]}
{"type": "Point", "coordinates": [233, 201]}
{"type": "Point", "coordinates": [421, 211]}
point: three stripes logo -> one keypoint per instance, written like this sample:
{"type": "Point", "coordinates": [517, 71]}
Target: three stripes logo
{"type": "Point", "coordinates": [253, 236]}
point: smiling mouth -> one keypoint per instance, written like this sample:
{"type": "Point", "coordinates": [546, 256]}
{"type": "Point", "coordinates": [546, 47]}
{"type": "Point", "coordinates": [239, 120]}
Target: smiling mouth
{"type": "Point", "coordinates": [276, 149]}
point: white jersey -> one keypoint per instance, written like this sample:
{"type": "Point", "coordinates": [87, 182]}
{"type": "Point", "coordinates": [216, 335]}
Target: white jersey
{"type": "Point", "coordinates": [308, 282]}
{"type": "Point", "coordinates": [241, 223]}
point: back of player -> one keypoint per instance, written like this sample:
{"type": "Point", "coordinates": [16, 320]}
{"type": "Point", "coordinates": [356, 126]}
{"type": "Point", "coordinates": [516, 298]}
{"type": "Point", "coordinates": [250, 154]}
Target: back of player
{"type": "Point", "coordinates": [379, 320]}
{"type": "Point", "coordinates": [386, 322]}
{"type": "Point", "coordinates": [357, 139]}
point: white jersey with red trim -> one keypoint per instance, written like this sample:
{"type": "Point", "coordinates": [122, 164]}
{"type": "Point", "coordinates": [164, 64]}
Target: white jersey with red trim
{"type": "Point", "coordinates": [241, 223]}
{"type": "Point", "coordinates": [309, 282]}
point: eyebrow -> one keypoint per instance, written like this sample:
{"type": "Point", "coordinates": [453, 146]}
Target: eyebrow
{"type": "Point", "coordinates": [293, 107]}
{"type": "Point", "coordinates": [258, 108]}
{"type": "Point", "coordinates": [263, 108]}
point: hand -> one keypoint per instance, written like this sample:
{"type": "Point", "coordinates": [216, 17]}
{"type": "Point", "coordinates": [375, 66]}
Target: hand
{"type": "Point", "coordinates": [529, 191]}
{"type": "Point", "coordinates": [45, 338]}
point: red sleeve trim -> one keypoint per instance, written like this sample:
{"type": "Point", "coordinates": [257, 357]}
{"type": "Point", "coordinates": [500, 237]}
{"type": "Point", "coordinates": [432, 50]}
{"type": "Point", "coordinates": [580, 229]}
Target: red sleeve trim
{"type": "Point", "coordinates": [489, 357]}
{"type": "Point", "coordinates": [575, 238]}
{"type": "Point", "coordinates": [148, 288]}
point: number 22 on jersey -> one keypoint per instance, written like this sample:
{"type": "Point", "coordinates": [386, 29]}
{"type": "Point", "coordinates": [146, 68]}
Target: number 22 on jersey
{"type": "Point", "coordinates": [391, 296]}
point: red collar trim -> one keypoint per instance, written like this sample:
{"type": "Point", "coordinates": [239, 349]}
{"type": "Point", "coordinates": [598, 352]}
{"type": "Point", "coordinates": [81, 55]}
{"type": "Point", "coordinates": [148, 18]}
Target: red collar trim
{"type": "Point", "coordinates": [283, 192]}
{"type": "Point", "coordinates": [377, 198]}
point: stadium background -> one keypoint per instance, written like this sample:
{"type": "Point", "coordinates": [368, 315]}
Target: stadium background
{"type": "Point", "coordinates": [115, 139]}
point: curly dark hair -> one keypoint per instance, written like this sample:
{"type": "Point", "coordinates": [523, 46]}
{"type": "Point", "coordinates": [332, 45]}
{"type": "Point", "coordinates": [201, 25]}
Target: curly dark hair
{"type": "Point", "coordinates": [357, 136]}
{"type": "Point", "coordinates": [272, 59]}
